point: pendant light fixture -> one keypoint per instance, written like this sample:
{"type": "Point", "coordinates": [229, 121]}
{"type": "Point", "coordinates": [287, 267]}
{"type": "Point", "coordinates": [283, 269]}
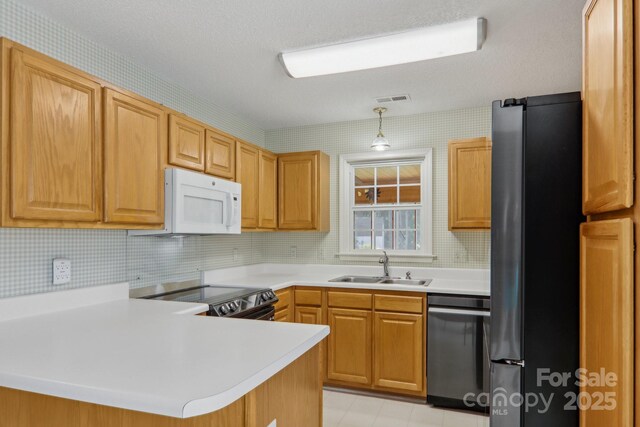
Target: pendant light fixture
{"type": "Point", "coordinates": [380, 143]}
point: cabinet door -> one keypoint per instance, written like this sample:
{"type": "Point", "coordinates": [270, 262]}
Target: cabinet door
{"type": "Point", "coordinates": [220, 155]}
{"type": "Point", "coordinates": [135, 155]}
{"type": "Point", "coordinates": [297, 191]}
{"type": "Point", "coordinates": [247, 166]}
{"type": "Point", "coordinates": [470, 184]}
{"type": "Point", "coordinates": [349, 347]}
{"type": "Point", "coordinates": [282, 315]}
{"type": "Point", "coordinates": [186, 143]}
{"type": "Point", "coordinates": [606, 315]}
{"type": "Point", "coordinates": [268, 170]}
{"type": "Point", "coordinates": [399, 348]}
{"type": "Point", "coordinates": [56, 143]}
{"type": "Point", "coordinates": [308, 315]}
{"type": "Point", "coordinates": [607, 106]}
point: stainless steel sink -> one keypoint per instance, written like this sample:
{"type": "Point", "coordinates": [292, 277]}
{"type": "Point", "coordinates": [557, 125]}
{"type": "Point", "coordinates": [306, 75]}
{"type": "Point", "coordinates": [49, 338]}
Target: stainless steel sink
{"type": "Point", "coordinates": [413, 282]}
{"type": "Point", "coordinates": [357, 279]}
{"type": "Point", "coordinates": [381, 280]}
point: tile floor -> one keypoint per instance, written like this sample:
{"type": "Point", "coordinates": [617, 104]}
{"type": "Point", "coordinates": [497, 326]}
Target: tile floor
{"type": "Point", "coordinates": [349, 410]}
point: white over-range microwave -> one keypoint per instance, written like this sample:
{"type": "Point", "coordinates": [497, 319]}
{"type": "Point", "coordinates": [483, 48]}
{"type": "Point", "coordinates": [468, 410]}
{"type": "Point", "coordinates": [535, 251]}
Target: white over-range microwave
{"type": "Point", "coordinates": [198, 204]}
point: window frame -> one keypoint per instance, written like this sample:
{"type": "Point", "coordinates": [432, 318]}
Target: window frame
{"type": "Point", "coordinates": [346, 204]}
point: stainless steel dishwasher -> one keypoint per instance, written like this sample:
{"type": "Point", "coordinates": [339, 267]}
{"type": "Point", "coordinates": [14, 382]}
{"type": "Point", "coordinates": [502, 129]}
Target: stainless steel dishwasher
{"type": "Point", "coordinates": [458, 351]}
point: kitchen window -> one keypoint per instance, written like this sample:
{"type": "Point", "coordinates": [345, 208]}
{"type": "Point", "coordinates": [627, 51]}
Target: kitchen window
{"type": "Point", "coordinates": [386, 204]}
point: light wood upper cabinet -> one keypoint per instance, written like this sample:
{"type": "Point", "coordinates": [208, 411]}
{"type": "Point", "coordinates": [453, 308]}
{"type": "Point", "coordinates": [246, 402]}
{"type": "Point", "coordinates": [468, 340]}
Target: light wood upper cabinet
{"type": "Point", "coordinates": [186, 143]}
{"type": "Point", "coordinates": [135, 155]}
{"type": "Point", "coordinates": [220, 155]}
{"type": "Point", "coordinates": [267, 205]}
{"type": "Point", "coordinates": [607, 106]}
{"type": "Point", "coordinates": [607, 315]}
{"type": "Point", "coordinates": [470, 184]}
{"type": "Point", "coordinates": [247, 166]}
{"type": "Point", "coordinates": [303, 191]}
{"type": "Point", "coordinates": [56, 142]}
{"type": "Point", "coordinates": [349, 345]}
{"type": "Point", "coordinates": [399, 351]}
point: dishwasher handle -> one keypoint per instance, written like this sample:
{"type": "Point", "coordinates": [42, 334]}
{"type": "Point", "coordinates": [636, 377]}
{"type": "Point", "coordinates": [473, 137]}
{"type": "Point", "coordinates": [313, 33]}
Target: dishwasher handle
{"type": "Point", "coordinates": [480, 313]}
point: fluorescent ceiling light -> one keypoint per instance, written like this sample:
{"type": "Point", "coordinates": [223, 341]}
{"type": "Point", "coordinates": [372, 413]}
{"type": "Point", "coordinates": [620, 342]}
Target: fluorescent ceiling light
{"type": "Point", "coordinates": [402, 48]}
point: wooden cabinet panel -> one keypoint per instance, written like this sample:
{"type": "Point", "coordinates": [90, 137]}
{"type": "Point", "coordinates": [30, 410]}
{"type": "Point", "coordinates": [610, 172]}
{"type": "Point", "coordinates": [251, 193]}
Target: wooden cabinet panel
{"type": "Point", "coordinates": [293, 396]}
{"type": "Point", "coordinates": [220, 155]}
{"type": "Point", "coordinates": [349, 346]}
{"type": "Point", "coordinates": [186, 143]}
{"type": "Point", "coordinates": [267, 205]}
{"type": "Point", "coordinates": [303, 191]}
{"type": "Point", "coordinates": [399, 348]}
{"type": "Point", "coordinates": [349, 300]}
{"type": "Point", "coordinates": [470, 184]}
{"type": "Point", "coordinates": [282, 315]}
{"type": "Point", "coordinates": [135, 155]}
{"type": "Point", "coordinates": [56, 142]}
{"type": "Point", "coordinates": [308, 315]}
{"type": "Point", "coordinates": [606, 314]}
{"type": "Point", "coordinates": [607, 106]}
{"type": "Point", "coordinates": [247, 166]}
{"type": "Point", "coordinates": [308, 297]}
{"type": "Point", "coordinates": [401, 303]}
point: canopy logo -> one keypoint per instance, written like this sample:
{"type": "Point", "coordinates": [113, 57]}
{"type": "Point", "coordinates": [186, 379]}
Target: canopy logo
{"type": "Point", "coordinates": [502, 401]}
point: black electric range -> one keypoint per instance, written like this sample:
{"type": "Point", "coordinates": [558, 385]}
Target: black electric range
{"type": "Point", "coordinates": [223, 301]}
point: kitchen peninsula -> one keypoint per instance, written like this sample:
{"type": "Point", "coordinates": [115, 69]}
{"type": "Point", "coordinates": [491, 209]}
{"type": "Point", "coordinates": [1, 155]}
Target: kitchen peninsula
{"type": "Point", "coordinates": [93, 357]}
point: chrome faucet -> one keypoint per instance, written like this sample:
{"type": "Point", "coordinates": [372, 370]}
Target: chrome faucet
{"type": "Point", "coordinates": [385, 263]}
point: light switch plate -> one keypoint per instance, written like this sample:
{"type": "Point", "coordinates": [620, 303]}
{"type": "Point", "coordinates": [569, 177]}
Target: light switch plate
{"type": "Point", "coordinates": [61, 271]}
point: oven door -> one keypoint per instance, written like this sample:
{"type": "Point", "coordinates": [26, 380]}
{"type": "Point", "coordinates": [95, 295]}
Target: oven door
{"type": "Point", "coordinates": [204, 204]}
{"type": "Point", "coordinates": [267, 313]}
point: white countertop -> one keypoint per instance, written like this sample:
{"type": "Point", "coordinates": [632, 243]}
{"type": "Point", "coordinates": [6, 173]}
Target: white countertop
{"type": "Point", "coordinates": [149, 356]}
{"type": "Point", "coordinates": [279, 276]}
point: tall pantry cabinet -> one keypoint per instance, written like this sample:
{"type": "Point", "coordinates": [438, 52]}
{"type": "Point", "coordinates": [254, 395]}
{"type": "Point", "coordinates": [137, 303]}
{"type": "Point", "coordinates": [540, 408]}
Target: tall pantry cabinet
{"type": "Point", "coordinates": [610, 201]}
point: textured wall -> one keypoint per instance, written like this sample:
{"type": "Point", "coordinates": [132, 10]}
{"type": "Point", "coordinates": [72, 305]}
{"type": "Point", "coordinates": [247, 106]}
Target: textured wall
{"type": "Point", "coordinates": [460, 249]}
{"type": "Point", "coordinates": [104, 256]}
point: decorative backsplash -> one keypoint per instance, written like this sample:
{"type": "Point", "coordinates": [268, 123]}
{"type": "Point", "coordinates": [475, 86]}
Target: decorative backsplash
{"type": "Point", "coordinates": [459, 249]}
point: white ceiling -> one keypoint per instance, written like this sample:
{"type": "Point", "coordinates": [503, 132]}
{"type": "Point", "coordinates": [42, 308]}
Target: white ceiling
{"type": "Point", "coordinates": [226, 51]}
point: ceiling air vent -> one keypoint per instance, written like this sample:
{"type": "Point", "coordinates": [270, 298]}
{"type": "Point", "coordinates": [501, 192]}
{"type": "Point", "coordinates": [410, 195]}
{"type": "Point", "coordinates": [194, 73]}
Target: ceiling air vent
{"type": "Point", "coordinates": [394, 98]}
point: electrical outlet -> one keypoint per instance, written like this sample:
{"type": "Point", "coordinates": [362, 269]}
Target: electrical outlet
{"type": "Point", "coordinates": [293, 251]}
{"type": "Point", "coordinates": [61, 271]}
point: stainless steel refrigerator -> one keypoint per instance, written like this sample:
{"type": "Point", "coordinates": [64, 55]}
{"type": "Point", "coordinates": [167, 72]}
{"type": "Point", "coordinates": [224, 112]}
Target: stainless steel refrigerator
{"type": "Point", "coordinates": [535, 217]}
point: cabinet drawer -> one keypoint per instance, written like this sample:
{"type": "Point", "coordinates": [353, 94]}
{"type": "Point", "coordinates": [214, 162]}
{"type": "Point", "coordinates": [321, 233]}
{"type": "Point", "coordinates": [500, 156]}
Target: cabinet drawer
{"type": "Point", "coordinates": [350, 300]}
{"type": "Point", "coordinates": [284, 297]}
{"type": "Point", "coordinates": [404, 304]}
{"type": "Point", "coordinates": [308, 297]}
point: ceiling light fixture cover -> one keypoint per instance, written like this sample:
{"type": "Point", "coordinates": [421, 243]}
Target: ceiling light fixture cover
{"type": "Point", "coordinates": [401, 48]}
{"type": "Point", "coordinates": [380, 143]}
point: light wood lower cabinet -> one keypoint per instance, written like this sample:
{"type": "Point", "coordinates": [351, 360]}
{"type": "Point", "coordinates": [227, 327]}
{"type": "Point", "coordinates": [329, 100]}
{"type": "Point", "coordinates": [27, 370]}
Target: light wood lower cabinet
{"type": "Point", "coordinates": [349, 345]}
{"type": "Point", "coordinates": [399, 351]}
{"type": "Point", "coordinates": [377, 339]}
{"type": "Point", "coordinates": [607, 315]}
{"type": "Point", "coordinates": [284, 306]}
{"type": "Point", "coordinates": [135, 153]}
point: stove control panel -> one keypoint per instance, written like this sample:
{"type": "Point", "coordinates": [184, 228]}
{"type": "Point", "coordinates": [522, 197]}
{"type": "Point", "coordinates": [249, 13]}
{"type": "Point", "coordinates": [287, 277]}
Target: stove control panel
{"type": "Point", "coordinates": [247, 303]}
